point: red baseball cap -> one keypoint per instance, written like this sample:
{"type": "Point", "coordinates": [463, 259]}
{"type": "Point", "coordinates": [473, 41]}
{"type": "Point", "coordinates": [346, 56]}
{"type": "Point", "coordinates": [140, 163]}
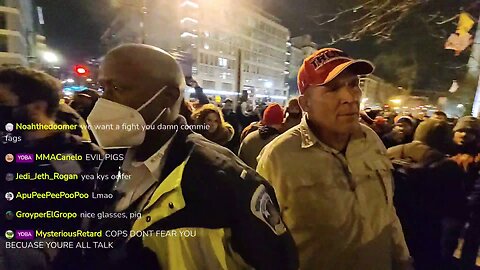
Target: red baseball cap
{"type": "Point", "coordinates": [325, 64]}
{"type": "Point", "coordinates": [273, 115]}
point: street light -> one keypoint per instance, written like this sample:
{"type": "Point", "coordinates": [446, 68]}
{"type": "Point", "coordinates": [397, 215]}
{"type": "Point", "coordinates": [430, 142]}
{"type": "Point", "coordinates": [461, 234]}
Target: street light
{"type": "Point", "coordinates": [50, 57]}
{"type": "Point", "coordinates": [396, 101]}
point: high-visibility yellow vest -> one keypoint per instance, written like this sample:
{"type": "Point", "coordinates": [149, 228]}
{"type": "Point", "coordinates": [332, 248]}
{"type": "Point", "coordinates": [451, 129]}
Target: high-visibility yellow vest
{"type": "Point", "coordinates": [184, 248]}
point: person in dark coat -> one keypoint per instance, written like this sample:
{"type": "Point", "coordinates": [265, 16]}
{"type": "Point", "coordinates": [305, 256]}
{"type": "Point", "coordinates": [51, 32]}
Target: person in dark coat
{"type": "Point", "coordinates": [252, 126]}
{"type": "Point", "coordinates": [232, 118]}
{"type": "Point", "coordinates": [254, 142]}
{"type": "Point", "coordinates": [401, 133]}
{"type": "Point", "coordinates": [246, 114]}
{"type": "Point", "coordinates": [433, 207]}
{"type": "Point", "coordinates": [293, 114]}
{"type": "Point", "coordinates": [471, 244]}
{"type": "Point", "coordinates": [466, 137]}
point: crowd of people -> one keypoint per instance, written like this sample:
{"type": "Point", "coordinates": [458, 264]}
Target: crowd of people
{"type": "Point", "coordinates": [317, 184]}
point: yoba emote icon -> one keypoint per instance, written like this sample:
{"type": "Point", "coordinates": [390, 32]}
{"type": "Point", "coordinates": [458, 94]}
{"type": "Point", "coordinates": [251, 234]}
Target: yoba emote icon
{"type": "Point", "coordinates": [9, 234]}
{"type": "Point", "coordinates": [9, 158]}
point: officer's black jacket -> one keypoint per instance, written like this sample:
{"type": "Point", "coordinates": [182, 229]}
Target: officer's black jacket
{"type": "Point", "coordinates": [217, 188]}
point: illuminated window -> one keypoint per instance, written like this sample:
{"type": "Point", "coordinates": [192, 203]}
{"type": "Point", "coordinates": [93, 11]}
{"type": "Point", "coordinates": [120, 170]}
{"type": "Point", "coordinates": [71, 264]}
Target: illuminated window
{"type": "Point", "coordinates": [223, 62]}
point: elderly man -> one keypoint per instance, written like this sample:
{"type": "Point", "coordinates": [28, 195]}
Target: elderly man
{"type": "Point", "coordinates": [331, 175]}
{"type": "Point", "coordinates": [213, 210]}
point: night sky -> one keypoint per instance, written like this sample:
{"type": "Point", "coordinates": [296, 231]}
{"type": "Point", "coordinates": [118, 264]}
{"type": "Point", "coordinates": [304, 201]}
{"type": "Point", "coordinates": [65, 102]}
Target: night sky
{"type": "Point", "coordinates": [74, 27]}
{"type": "Point", "coordinates": [295, 14]}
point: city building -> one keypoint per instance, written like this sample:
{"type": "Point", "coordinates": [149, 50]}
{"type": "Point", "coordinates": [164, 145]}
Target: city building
{"type": "Point", "coordinates": [212, 42]}
{"type": "Point", "coordinates": [299, 48]}
{"type": "Point", "coordinates": [41, 42]}
{"type": "Point", "coordinates": [305, 44]}
{"type": "Point", "coordinates": [17, 35]}
{"type": "Point", "coordinates": [376, 92]}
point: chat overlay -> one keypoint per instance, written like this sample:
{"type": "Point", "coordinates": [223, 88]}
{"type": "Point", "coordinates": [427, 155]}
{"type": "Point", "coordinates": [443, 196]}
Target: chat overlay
{"type": "Point", "coordinates": [65, 194]}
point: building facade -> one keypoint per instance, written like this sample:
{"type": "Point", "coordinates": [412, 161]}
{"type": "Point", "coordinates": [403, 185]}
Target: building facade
{"type": "Point", "coordinates": [227, 48]}
{"type": "Point", "coordinates": [300, 48]}
{"type": "Point", "coordinates": [305, 44]}
{"type": "Point", "coordinates": [17, 38]}
{"type": "Point", "coordinates": [376, 92]}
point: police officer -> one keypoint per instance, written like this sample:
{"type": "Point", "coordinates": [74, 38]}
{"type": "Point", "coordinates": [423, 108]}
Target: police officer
{"type": "Point", "coordinates": [179, 180]}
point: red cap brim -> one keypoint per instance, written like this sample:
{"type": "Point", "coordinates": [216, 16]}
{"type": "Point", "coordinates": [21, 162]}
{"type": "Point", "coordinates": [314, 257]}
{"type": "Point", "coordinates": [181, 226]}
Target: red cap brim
{"type": "Point", "coordinates": [358, 67]}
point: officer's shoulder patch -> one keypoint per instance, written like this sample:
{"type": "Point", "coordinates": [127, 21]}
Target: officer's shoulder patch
{"type": "Point", "coordinates": [243, 174]}
{"type": "Point", "coordinates": [263, 208]}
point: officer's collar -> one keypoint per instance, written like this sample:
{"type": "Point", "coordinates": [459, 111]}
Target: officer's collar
{"type": "Point", "coordinates": [309, 139]}
{"type": "Point", "coordinates": [179, 148]}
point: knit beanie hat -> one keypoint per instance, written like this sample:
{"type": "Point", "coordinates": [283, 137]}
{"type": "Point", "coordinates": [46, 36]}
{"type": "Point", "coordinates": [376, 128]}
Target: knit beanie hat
{"type": "Point", "coordinates": [273, 115]}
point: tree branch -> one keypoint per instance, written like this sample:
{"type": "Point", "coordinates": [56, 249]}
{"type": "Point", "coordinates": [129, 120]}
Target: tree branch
{"type": "Point", "coordinates": [378, 18]}
{"type": "Point", "coordinates": [447, 20]}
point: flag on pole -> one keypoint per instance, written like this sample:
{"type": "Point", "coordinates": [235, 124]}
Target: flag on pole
{"type": "Point", "coordinates": [461, 39]}
{"type": "Point", "coordinates": [458, 43]}
{"type": "Point", "coordinates": [465, 23]}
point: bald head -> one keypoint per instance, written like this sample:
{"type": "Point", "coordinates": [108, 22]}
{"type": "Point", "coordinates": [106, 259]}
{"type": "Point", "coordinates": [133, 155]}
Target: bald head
{"type": "Point", "coordinates": [148, 62]}
{"type": "Point", "coordinates": [133, 73]}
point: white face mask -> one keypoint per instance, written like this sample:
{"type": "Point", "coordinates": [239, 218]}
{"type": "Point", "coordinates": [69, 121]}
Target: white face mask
{"type": "Point", "coordinates": [108, 114]}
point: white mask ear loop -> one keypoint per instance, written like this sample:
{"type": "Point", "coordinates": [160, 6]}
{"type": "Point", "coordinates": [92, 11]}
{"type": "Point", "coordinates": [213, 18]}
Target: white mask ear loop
{"type": "Point", "coordinates": [160, 115]}
{"type": "Point", "coordinates": [152, 98]}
